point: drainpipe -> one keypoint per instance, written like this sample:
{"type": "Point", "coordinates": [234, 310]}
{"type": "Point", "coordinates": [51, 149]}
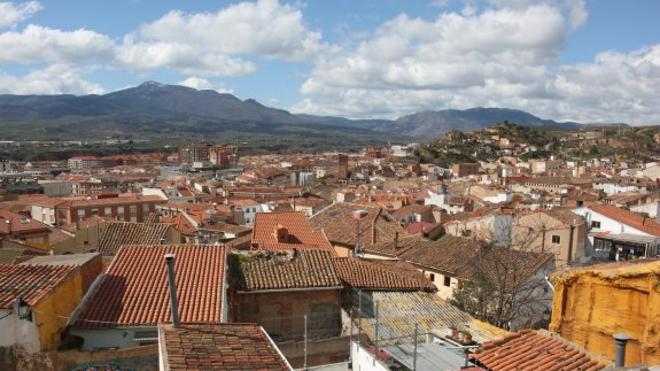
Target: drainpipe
{"type": "Point", "coordinates": [620, 341]}
{"type": "Point", "coordinates": [570, 244]}
{"type": "Point", "coordinates": [169, 260]}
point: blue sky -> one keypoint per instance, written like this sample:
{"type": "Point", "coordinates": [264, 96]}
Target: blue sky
{"type": "Point", "coordinates": [581, 60]}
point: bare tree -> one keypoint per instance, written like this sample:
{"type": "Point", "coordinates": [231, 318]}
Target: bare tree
{"type": "Point", "coordinates": [505, 285]}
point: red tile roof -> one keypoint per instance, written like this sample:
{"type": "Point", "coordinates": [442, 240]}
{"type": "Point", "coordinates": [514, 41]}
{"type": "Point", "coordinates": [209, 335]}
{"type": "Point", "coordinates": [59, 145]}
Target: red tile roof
{"type": "Point", "coordinates": [134, 291]}
{"type": "Point", "coordinates": [299, 232]}
{"type": "Point", "coordinates": [636, 221]}
{"type": "Point", "coordinates": [284, 270]}
{"type": "Point", "coordinates": [375, 275]}
{"type": "Point", "coordinates": [534, 350]}
{"type": "Point", "coordinates": [115, 234]}
{"type": "Point", "coordinates": [32, 282]}
{"type": "Point", "coordinates": [19, 224]}
{"type": "Point", "coordinates": [218, 347]}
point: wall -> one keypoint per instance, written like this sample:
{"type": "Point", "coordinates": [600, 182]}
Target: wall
{"type": "Point", "coordinates": [110, 337]}
{"type": "Point", "coordinates": [18, 332]}
{"type": "Point", "coordinates": [52, 312]}
{"type": "Point", "coordinates": [282, 313]}
{"type": "Point", "coordinates": [590, 306]}
{"type": "Point", "coordinates": [319, 352]}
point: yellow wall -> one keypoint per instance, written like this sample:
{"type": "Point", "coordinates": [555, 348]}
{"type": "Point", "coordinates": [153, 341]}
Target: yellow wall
{"type": "Point", "coordinates": [590, 305]}
{"type": "Point", "coordinates": [51, 313]}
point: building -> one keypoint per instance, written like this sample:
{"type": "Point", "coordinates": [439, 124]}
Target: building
{"type": "Point", "coordinates": [191, 153]}
{"type": "Point", "coordinates": [535, 350]}
{"type": "Point", "coordinates": [465, 169]}
{"type": "Point", "coordinates": [287, 230]}
{"type": "Point", "coordinates": [132, 299]}
{"type": "Point", "coordinates": [278, 289]}
{"type": "Point", "coordinates": [218, 347]}
{"type": "Point", "coordinates": [556, 231]}
{"type": "Point", "coordinates": [135, 209]}
{"type": "Point", "coordinates": [337, 223]}
{"type": "Point", "coordinates": [617, 234]}
{"type": "Point", "coordinates": [591, 304]}
{"type": "Point", "coordinates": [342, 166]}
{"type": "Point", "coordinates": [89, 162]}
{"type": "Point", "coordinates": [223, 155]}
{"type": "Point", "coordinates": [23, 229]}
{"type": "Point", "coordinates": [49, 289]}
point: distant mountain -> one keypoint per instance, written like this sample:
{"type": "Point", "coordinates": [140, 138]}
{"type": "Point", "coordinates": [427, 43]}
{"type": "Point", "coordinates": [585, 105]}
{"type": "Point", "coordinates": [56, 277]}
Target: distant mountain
{"type": "Point", "coordinates": [158, 109]}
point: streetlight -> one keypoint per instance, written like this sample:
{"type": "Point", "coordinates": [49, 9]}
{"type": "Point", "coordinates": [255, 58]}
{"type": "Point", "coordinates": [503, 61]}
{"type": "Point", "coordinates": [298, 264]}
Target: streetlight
{"type": "Point", "coordinates": [358, 215]}
{"type": "Point", "coordinates": [22, 309]}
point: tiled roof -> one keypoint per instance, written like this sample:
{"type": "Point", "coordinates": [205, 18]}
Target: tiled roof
{"type": "Point", "coordinates": [218, 347]}
{"type": "Point", "coordinates": [374, 275]}
{"type": "Point", "coordinates": [534, 350]}
{"type": "Point", "coordinates": [32, 282]}
{"type": "Point", "coordinates": [284, 270]}
{"type": "Point", "coordinates": [115, 234]}
{"type": "Point", "coordinates": [636, 221]}
{"type": "Point", "coordinates": [134, 291]}
{"type": "Point", "coordinates": [337, 222]}
{"type": "Point", "coordinates": [19, 224]}
{"type": "Point", "coordinates": [400, 311]}
{"type": "Point", "coordinates": [298, 230]}
{"type": "Point", "coordinates": [448, 254]}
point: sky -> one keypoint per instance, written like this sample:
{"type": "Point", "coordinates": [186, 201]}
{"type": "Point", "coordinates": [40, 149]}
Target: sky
{"type": "Point", "coordinates": [577, 60]}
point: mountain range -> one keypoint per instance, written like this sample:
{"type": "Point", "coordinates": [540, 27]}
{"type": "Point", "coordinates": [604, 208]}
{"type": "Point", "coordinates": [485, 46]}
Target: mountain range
{"type": "Point", "coordinates": [157, 109]}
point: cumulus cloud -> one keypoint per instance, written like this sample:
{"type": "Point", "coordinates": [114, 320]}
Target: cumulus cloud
{"type": "Point", "coordinates": [41, 44]}
{"type": "Point", "coordinates": [11, 14]}
{"type": "Point", "coordinates": [53, 79]}
{"type": "Point", "coordinates": [203, 84]}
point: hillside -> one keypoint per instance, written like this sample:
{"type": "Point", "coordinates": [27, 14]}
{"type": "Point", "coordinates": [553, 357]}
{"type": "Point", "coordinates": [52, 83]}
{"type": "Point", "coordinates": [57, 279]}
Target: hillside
{"type": "Point", "coordinates": [160, 110]}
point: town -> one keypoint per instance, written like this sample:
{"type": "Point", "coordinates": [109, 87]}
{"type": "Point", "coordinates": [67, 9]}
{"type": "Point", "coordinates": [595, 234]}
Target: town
{"type": "Point", "coordinates": [506, 248]}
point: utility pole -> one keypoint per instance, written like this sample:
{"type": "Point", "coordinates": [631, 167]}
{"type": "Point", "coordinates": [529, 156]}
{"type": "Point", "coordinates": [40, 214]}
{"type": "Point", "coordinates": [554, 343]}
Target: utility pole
{"type": "Point", "coordinates": [350, 341]}
{"type": "Point", "coordinates": [377, 325]}
{"type": "Point", "coordinates": [305, 345]}
{"type": "Point", "coordinates": [415, 349]}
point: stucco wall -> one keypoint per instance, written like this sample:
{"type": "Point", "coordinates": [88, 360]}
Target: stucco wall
{"type": "Point", "coordinates": [590, 306]}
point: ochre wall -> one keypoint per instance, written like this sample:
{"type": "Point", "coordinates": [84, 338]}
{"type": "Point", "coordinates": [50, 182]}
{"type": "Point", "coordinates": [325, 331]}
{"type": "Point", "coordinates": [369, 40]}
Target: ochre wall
{"type": "Point", "coordinates": [589, 306]}
{"type": "Point", "coordinates": [52, 312]}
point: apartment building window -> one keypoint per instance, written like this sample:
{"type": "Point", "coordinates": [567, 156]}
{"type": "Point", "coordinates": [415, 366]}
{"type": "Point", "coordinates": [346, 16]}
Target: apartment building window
{"type": "Point", "coordinates": [133, 211]}
{"type": "Point", "coordinates": [120, 213]}
{"type": "Point", "coordinates": [95, 211]}
{"type": "Point", "coordinates": [145, 210]}
{"type": "Point", "coordinates": [432, 277]}
{"type": "Point", "coordinates": [447, 282]}
{"type": "Point", "coordinates": [107, 211]}
{"type": "Point", "coordinates": [81, 214]}
{"type": "Point", "coordinates": [595, 224]}
{"type": "Point", "coordinates": [556, 239]}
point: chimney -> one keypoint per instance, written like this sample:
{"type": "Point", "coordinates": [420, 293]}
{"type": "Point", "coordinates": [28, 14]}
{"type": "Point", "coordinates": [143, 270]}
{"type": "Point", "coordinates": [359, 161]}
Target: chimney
{"type": "Point", "coordinates": [169, 260]}
{"type": "Point", "coordinates": [620, 341]}
{"type": "Point", "coordinates": [281, 233]}
{"type": "Point", "coordinates": [396, 241]}
{"type": "Point", "coordinates": [162, 241]}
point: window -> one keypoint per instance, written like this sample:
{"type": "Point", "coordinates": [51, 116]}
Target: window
{"type": "Point", "coordinates": [133, 210]}
{"type": "Point", "coordinates": [556, 239]}
{"type": "Point", "coordinates": [145, 209]}
{"type": "Point", "coordinates": [95, 211]}
{"type": "Point", "coordinates": [432, 276]}
{"type": "Point", "coordinates": [595, 224]}
{"type": "Point", "coordinates": [81, 214]}
{"type": "Point", "coordinates": [107, 211]}
{"type": "Point", "coordinates": [447, 281]}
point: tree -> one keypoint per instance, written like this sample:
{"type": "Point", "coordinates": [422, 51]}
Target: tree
{"type": "Point", "coordinates": [505, 285]}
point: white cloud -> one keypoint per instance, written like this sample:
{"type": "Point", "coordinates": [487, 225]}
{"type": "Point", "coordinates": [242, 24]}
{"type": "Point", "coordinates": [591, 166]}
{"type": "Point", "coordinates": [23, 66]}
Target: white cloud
{"type": "Point", "coordinates": [265, 28]}
{"type": "Point", "coordinates": [53, 79]}
{"type": "Point", "coordinates": [11, 14]}
{"type": "Point", "coordinates": [501, 57]}
{"type": "Point", "coordinates": [40, 44]}
{"type": "Point", "coordinates": [204, 84]}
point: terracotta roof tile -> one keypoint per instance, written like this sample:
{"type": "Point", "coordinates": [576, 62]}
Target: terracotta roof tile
{"type": "Point", "coordinates": [284, 270]}
{"type": "Point", "coordinates": [534, 350]}
{"type": "Point", "coordinates": [134, 291]}
{"type": "Point", "coordinates": [646, 225]}
{"type": "Point", "coordinates": [218, 347]}
{"type": "Point", "coordinates": [32, 282]}
{"type": "Point", "coordinates": [376, 275]}
{"type": "Point", "coordinates": [337, 222]}
{"type": "Point", "coordinates": [298, 232]}
{"type": "Point", "coordinates": [115, 234]}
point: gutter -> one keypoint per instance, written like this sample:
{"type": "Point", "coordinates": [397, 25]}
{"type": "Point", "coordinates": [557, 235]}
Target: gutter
{"type": "Point", "coordinates": [265, 291]}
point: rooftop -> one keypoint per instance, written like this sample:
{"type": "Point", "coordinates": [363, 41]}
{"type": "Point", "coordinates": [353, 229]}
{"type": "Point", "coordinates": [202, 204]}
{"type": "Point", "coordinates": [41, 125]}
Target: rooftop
{"type": "Point", "coordinates": [134, 291]}
{"type": "Point", "coordinates": [115, 234]}
{"type": "Point", "coordinates": [636, 221]}
{"type": "Point", "coordinates": [218, 347]}
{"type": "Point", "coordinates": [32, 282]}
{"type": "Point", "coordinates": [286, 230]}
{"type": "Point", "coordinates": [376, 275]}
{"type": "Point", "coordinates": [277, 270]}
{"type": "Point", "coordinates": [535, 350]}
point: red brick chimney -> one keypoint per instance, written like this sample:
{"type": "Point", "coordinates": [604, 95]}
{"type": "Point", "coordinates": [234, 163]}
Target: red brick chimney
{"type": "Point", "coordinates": [281, 233]}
